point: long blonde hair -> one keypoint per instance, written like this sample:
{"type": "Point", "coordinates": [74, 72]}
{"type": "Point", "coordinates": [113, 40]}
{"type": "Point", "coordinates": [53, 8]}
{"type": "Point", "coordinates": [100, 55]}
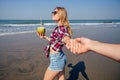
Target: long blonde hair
{"type": "Point", "coordinates": [64, 18]}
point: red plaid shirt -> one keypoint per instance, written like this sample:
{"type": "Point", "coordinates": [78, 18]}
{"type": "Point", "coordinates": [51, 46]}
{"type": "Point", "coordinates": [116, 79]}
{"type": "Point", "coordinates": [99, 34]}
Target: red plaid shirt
{"type": "Point", "coordinates": [56, 39]}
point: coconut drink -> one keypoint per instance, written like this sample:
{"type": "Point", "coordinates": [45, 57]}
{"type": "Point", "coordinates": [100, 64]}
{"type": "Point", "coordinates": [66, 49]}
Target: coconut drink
{"type": "Point", "coordinates": [41, 29]}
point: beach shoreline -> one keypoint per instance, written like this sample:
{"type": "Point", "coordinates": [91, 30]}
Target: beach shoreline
{"type": "Point", "coordinates": [22, 57]}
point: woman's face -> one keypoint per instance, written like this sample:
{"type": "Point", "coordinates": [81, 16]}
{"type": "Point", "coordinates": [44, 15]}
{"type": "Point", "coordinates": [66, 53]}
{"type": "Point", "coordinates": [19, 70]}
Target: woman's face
{"type": "Point", "coordinates": [55, 15]}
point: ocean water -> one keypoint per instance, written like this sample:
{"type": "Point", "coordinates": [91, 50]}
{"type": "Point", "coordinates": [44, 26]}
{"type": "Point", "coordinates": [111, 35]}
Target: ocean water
{"type": "Point", "coordinates": [10, 27]}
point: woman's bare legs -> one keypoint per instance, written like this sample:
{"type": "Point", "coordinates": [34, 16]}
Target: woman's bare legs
{"type": "Point", "coordinates": [61, 75]}
{"type": "Point", "coordinates": [50, 75]}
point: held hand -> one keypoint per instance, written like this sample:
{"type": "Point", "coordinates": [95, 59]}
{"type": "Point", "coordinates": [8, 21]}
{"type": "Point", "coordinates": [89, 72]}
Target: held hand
{"type": "Point", "coordinates": [78, 45]}
{"type": "Point", "coordinates": [73, 45]}
{"type": "Point", "coordinates": [84, 45]}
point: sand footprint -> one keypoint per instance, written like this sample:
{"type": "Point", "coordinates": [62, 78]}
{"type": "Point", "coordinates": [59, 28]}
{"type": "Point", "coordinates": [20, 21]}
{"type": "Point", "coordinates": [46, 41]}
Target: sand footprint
{"type": "Point", "coordinates": [25, 68]}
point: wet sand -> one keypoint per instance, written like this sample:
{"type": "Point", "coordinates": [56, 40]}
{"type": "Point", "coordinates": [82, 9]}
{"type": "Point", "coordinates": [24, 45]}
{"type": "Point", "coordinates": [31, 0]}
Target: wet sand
{"type": "Point", "coordinates": [22, 57]}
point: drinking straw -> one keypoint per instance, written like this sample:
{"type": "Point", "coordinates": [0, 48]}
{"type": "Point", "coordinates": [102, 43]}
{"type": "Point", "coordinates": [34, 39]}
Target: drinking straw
{"type": "Point", "coordinates": [41, 21]}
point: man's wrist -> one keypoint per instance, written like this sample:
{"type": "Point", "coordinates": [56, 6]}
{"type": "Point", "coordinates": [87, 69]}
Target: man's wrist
{"type": "Point", "coordinates": [93, 44]}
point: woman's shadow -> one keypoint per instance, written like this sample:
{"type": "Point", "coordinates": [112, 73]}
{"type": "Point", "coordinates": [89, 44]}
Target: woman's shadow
{"type": "Point", "coordinates": [74, 73]}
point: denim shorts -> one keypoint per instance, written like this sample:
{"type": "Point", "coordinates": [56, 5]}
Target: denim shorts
{"type": "Point", "coordinates": [57, 61]}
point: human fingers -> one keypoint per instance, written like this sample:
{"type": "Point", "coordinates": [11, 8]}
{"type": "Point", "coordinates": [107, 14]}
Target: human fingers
{"type": "Point", "coordinates": [77, 48]}
{"type": "Point", "coordinates": [74, 46]}
{"type": "Point", "coordinates": [68, 44]}
{"type": "Point", "coordinates": [38, 34]}
{"type": "Point", "coordinates": [71, 45]}
{"type": "Point", "coordinates": [78, 39]}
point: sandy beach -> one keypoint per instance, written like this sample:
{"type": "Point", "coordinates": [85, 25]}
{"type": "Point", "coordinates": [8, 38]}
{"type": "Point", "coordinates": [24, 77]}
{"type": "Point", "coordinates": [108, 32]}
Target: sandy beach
{"type": "Point", "coordinates": [22, 57]}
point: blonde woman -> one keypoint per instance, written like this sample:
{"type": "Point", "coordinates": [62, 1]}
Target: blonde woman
{"type": "Point", "coordinates": [59, 37]}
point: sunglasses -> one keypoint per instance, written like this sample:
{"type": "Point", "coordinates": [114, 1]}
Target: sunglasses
{"type": "Point", "coordinates": [55, 12]}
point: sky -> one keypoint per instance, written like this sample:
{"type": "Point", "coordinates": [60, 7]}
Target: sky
{"type": "Point", "coordinates": [76, 9]}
